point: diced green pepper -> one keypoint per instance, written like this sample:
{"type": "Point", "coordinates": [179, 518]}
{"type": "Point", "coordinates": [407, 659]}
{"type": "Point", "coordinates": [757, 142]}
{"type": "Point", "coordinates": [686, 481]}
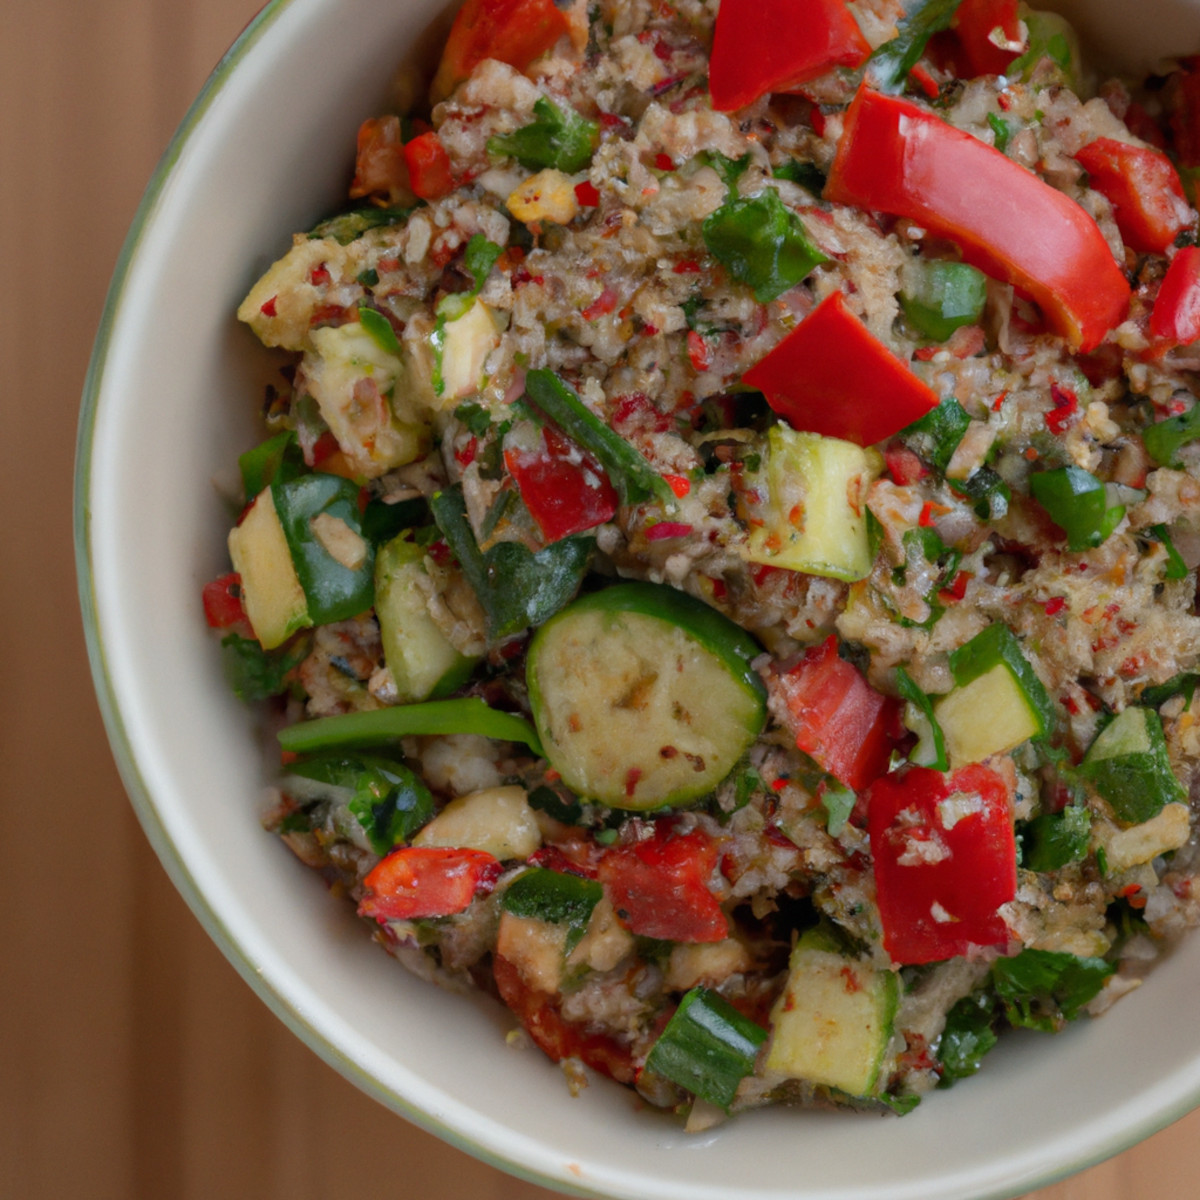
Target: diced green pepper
{"type": "Point", "coordinates": [1129, 766]}
{"type": "Point", "coordinates": [936, 435]}
{"type": "Point", "coordinates": [556, 897]}
{"type": "Point", "coordinates": [1164, 440]}
{"type": "Point", "coordinates": [761, 243]}
{"type": "Point", "coordinates": [1078, 503]}
{"type": "Point", "coordinates": [278, 458]}
{"type": "Point", "coordinates": [1052, 840]}
{"type": "Point", "coordinates": [707, 1047]}
{"type": "Point", "coordinates": [939, 297]}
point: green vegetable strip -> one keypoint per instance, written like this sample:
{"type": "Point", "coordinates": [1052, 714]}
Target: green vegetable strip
{"type": "Point", "coordinates": [468, 715]}
{"type": "Point", "coordinates": [1078, 503]}
{"type": "Point", "coordinates": [890, 64]}
{"type": "Point", "coordinates": [633, 477]}
{"type": "Point", "coordinates": [911, 692]}
{"type": "Point", "coordinates": [555, 897]}
{"type": "Point", "coordinates": [1164, 440]}
{"type": "Point", "coordinates": [708, 1047]}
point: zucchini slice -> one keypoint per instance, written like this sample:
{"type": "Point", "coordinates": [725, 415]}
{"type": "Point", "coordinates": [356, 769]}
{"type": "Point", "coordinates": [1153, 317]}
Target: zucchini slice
{"type": "Point", "coordinates": [643, 696]}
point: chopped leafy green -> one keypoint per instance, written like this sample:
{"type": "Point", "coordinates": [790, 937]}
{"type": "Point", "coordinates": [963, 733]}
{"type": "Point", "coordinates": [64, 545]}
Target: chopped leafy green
{"type": "Point", "coordinates": [761, 243]}
{"type": "Point", "coordinates": [633, 477]}
{"type": "Point", "coordinates": [889, 65]}
{"type": "Point", "coordinates": [379, 329]}
{"type": "Point", "coordinates": [1001, 130]}
{"type": "Point", "coordinates": [989, 492]}
{"type": "Point", "coordinates": [256, 674]}
{"type": "Point", "coordinates": [936, 435]}
{"type": "Point", "coordinates": [1164, 440]}
{"type": "Point", "coordinates": [969, 1034]}
{"type": "Point", "coordinates": [556, 897]}
{"type": "Point", "coordinates": [382, 521]}
{"type": "Point", "coordinates": [516, 587]}
{"type": "Point", "coordinates": [1052, 840]}
{"type": "Point", "coordinates": [930, 750]}
{"type": "Point", "coordinates": [555, 138]}
{"type": "Point", "coordinates": [278, 457]}
{"type": "Point", "coordinates": [348, 226]}
{"type": "Point", "coordinates": [1183, 684]}
{"type": "Point", "coordinates": [806, 174]}
{"type": "Point", "coordinates": [547, 800]}
{"type": "Point", "coordinates": [1043, 989]}
{"type": "Point", "coordinates": [474, 417]}
{"type": "Point", "coordinates": [729, 169]}
{"type": "Point", "coordinates": [1176, 568]}
{"type": "Point", "coordinates": [480, 257]}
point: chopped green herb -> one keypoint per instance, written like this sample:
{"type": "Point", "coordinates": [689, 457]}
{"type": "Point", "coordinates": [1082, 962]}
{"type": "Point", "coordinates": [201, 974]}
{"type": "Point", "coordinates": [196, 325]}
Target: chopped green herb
{"type": "Point", "coordinates": [729, 169]}
{"type": "Point", "coordinates": [1052, 840]}
{"type": "Point", "coordinates": [936, 435]}
{"type": "Point", "coordinates": [969, 1034]}
{"type": "Point", "coordinates": [474, 417]}
{"type": "Point", "coordinates": [1000, 128]}
{"type": "Point", "coordinates": [1176, 568]}
{"type": "Point", "coordinates": [556, 897]}
{"type": "Point", "coordinates": [1164, 440]}
{"type": "Point", "coordinates": [930, 750]}
{"type": "Point", "coordinates": [838, 801]}
{"type": "Point", "coordinates": [380, 330]}
{"type": "Point", "coordinates": [807, 175]}
{"type": "Point", "coordinates": [1043, 989]}
{"type": "Point", "coordinates": [555, 138]}
{"type": "Point", "coordinates": [889, 65]}
{"type": "Point", "coordinates": [254, 673]}
{"type": "Point", "coordinates": [346, 227]}
{"type": "Point", "coordinates": [480, 257]}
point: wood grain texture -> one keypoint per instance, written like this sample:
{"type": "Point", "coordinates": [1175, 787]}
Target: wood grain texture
{"type": "Point", "coordinates": [134, 1063]}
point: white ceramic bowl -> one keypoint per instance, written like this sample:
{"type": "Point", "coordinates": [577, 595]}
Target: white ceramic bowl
{"type": "Point", "coordinates": [266, 150]}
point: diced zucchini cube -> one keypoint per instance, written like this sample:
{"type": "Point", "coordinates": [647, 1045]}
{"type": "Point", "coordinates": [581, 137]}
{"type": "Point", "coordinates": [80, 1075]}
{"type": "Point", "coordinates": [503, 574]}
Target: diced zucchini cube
{"type": "Point", "coordinates": [1128, 765]}
{"type": "Point", "coordinates": [816, 519]}
{"type": "Point", "coordinates": [833, 1022]}
{"type": "Point", "coordinates": [466, 341]}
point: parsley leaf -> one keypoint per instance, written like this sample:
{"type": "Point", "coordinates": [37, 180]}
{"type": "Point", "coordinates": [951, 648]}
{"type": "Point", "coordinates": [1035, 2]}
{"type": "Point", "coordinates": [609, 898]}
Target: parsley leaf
{"type": "Point", "coordinates": [555, 138]}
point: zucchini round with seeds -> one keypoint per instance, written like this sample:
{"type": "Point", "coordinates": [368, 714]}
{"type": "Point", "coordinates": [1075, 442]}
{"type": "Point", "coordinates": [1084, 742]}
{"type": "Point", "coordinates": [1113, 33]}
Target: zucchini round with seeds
{"type": "Point", "coordinates": [644, 697]}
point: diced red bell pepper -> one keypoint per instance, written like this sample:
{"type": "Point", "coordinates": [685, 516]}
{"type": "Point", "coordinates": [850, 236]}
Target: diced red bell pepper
{"type": "Point", "coordinates": [982, 28]}
{"type": "Point", "coordinates": [945, 860]}
{"type": "Point", "coordinates": [563, 486]}
{"type": "Point", "coordinates": [842, 723]}
{"type": "Point", "coordinates": [380, 168]}
{"type": "Point", "coordinates": [897, 157]}
{"type": "Point", "coordinates": [223, 608]}
{"type": "Point", "coordinates": [762, 46]}
{"type": "Point", "coordinates": [541, 1015]}
{"type": "Point", "coordinates": [414, 882]}
{"type": "Point", "coordinates": [1144, 189]}
{"type": "Point", "coordinates": [659, 886]}
{"type": "Point", "coordinates": [428, 166]}
{"type": "Point", "coordinates": [512, 31]}
{"type": "Point", "coordinates": [831, 376]}
{"type": "Point", "coordinates": [1175, 318]}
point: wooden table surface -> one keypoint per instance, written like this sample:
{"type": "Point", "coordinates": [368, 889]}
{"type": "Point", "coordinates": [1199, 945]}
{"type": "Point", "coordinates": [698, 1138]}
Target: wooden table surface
{"type": "Point", "coordinates": [134, 1063]}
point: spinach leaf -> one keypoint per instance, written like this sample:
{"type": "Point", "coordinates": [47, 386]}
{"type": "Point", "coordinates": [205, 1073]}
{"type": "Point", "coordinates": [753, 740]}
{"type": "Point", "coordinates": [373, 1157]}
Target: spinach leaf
{"type": "Point", "coordinates": [1043, 989]}
{"type": "Point", "coordinates": [969, 1034]}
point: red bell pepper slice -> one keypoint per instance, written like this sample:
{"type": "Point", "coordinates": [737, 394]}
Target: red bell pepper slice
{"type": "Point", "coordinates": [223, 608]}
{"type": "Point", "coordinates": [379, 164]}
{"type": "Point", "coordinates": [837, 718]}
{"type": "Point", "coordinates": [945, 860]}
{"type": "Point", "coordinates": [897, 157]}
{"type": "Point", "coordinates": [1175, 318]}
{"type": "Point", "coordinates": [563, 486]}
{"type": "Point", "coordinates": [428, 167]}
{"type": "Point", "coordinates": [414, 882]}
{"type": "Point", "coordinates": [1144, 189]}
{"type": "Point", "coordinates": [512, 31]}
{"type": "Point", "coordinates": [558, 1038]}
{"type": "Point", "coordinates": [981, 27]}
{"type": "Point", "coordinates": [831, 376]}
{"type": "Point", "coordinates": [762, 46]}
{"type": "Point", "coordinates": [659, 886]}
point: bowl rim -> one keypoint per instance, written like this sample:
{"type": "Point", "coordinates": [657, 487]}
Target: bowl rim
{"type": "Point", "coordinates": [1082, 1151]}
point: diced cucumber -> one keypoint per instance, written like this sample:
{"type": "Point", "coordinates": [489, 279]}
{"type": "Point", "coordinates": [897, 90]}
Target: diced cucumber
{"type": "Point", "coordinates": [498, 820]}
{"type": "Point", "coordinates": [707, 1047]}
{"type": "Point", "coordinates": [422, 661]}
{"type": "Point", "coordinates": [644, 696]}
{"type": "Point", "coordinates": [816, 519]}
{"type": "Point", "coordinates": [271, 593]}
{"type": "Point", "coordinates": [1128, 765]}
{"type": "Point", "coordinates": [834, 1019]}
{"type": "Point", "coordinates": [999, 701]}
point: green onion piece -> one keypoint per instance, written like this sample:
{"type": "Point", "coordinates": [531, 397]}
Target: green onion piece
{"type": "Point", "coordinates": [1054, 839]}
{"type": "Point", "coordinates": [930, 750]}
{"type": "Point", "coordinates": [1176, 568]}
{"type": "Point", "coordinates": [556, 897]}
{"type": "Point", "coordinates": [707, 1047]}
{"type": "Point", "coordinates": [480, 257]}
{"type": "Point", "coordinates": [383, 725]}
{"type": "Point", "coordinates": [379, 329]}
{"type": "Point", "coordinates": [1078, 503]}
{"type": "Point", "coordinates": [516, 587]}
{"type": "Point", "coordinates": [939, 297]}
{"type": "Point", "coordinates": [889, 65]}
{"type": "Point", "coordinates": [555, 138]}
{"type": "Point", "coordinates": [936, 435]}
{"type": "Point", "coordinates": [761, 243]}
{"type": "Point", "coordinates": [1164, 440]}
{"type": "Point", "coordinates": [1183, 684]}
{"type": "Point", "coordinates": [633, 477]}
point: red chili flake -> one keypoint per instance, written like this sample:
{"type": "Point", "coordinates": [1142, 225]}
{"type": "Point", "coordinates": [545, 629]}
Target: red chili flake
{"type": "Point", "coordinates": [601, 306]}
{"type": "Point", "coordinates": [552, 776]}
{"type": "Point", "coordinates": [1069, 704]}
{"type": "Point", "coordinates": [268, 309]}
{"type": "Point", "coordinates": [664, 162]}
{"type": "Point", "coordinates": [698, 352]}
{"type": "Point", "coordinates": [466, 456]}
{"type": "Point", "coordinates": [287, 757]}
{"type": "Point", "coordinates": [925, 520]}
{"type": "Point", "coordinates": [761, 574]}
{"type": "Point", "coordinates": [1031, 454]}
{"type": "Point", "coordinates": [1176, 407]}
{"type": "Point", "coordinates": [439, 551]}
{"type": "Point", "coordinates": [904, 466]}
{"type": "Point", "coordinates": [686, 266]}
{"type": "Point", "coordinates": [650, 330]}
{"type": "Point", "coordinates": [925, 353]}
{"type": "Point", "coordinates": [720, 591]}
{"type": "Point", "coordinates": [611, 120]}
{"type": "Point", "coordinates": [388, 264]}
{"type": "Point", "coordinates": [999, 400]}
{"type": "Point", "coordinates": [1066, 405]}
{"type": "Point", "coordinates": [1055, 605]}
{"type": "Point", "coordinates": [777, 785]}
{"type": "Point", "coordinates": [957, 590]}
{"type": "Point", "coordinates": [632, 776]}
{"type": "Point", "coordinates": [665, 530]}
{"type": "Point", "coordinates": [851, 979]}
{"type": "Point", "coordinates": [679, 484]}
{"type": "Point", "coordinates": [1005, 101]}
{"type": "Point", "coordinates": [662, 51]}
{"type": "Point", "coordinates": [319, 276]}
{"type": "Point", "coordinates": [587, 194]}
